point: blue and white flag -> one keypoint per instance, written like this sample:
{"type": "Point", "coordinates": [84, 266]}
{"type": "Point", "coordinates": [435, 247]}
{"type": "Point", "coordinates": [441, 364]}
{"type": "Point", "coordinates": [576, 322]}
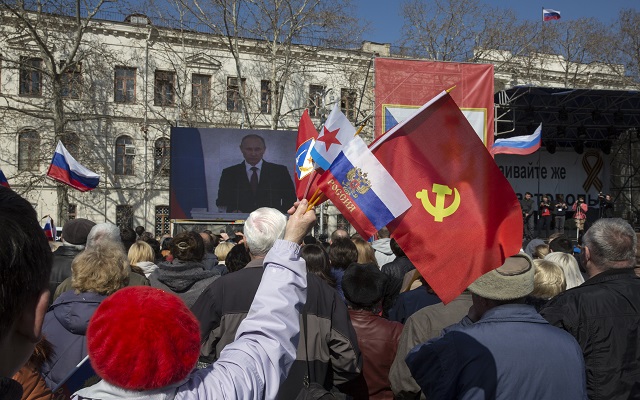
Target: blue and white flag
{"type": "Point", "coordinates": [64, 168]}
{"type": "Point", "coordinates": [362, 189]}
{"type": "Point", "coordinates": [336, 133]}
{"type": "Point", "coordinates": [521, 145]}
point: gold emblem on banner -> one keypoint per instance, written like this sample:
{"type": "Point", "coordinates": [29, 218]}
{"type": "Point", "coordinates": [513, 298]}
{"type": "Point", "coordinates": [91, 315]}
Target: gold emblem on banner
{"type": "Point", "coordinates": [439, 211]}
{"type": "Point", "coordinates": [356, 183]}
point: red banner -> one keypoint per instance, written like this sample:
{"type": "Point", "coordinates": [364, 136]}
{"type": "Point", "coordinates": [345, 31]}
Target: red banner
{"type": "Point", "coordinates": [402, 86]}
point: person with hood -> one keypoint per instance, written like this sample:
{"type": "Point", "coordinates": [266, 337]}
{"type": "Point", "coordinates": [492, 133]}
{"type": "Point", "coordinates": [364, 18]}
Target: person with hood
{"type": "Point", "coordinates": [95, 274]}
{"type": "Point", "coordinates": [382, 248]}
{"type": "Point", "coordinates": [185, 276]}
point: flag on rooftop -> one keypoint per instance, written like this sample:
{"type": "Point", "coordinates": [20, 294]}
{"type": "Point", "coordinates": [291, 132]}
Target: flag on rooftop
{"type": "Point", "coordinates": [465, 218]}
{"type": "Point", "coordinates": [3, 180]}
{"type": "Point", "coordinates": [362, 189]}
{"type": "Point", "coordinates": [64, 168]}
{"type": "Point", "coordinates": [549, 14]}
{"type": "Point", "coordinates": [336, 133]}
{"type": "Point", "coordinates": [521, 145]}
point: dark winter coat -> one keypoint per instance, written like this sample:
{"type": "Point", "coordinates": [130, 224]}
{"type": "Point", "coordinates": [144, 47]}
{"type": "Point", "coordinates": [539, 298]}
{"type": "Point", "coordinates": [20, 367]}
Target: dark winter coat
{"type": "Point", "coordinates": [185, 279]}
{"type": "Point", "coordinates": [65, 327]}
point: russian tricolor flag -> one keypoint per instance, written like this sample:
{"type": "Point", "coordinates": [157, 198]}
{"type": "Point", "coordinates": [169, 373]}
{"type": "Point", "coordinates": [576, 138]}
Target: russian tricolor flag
{"type": "Point", "coordinates": [49, 229]}
{"type": "Point", "coordinates": [521, 145]}
{"type": "Point", "coordinates": [3, 180]}
{"type": "Point", "coordinates": [64, 168]}
{"type": "Point", "coordinates": [362, 189]}
{"type": "Point", "coordinates": [549, 14]}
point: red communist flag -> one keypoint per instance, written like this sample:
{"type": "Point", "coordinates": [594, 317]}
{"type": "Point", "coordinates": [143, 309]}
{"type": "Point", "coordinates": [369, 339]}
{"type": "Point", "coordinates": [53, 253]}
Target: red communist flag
{"type": "Point", "coordinates": [465, 218]}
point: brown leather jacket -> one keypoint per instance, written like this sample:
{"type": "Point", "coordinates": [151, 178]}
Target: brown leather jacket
{"type": "Point", "coordinates": [378, 342]}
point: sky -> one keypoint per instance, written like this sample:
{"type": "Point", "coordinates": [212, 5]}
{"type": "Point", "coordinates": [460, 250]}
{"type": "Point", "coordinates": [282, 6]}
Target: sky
{"type": "Point", "coordinates": [385, 22]}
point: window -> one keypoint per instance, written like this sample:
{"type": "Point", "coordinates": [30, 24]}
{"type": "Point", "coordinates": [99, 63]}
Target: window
{"type": "Point", "coordinates": [30, 76]}
{"type": "Point", "coordinates": [161, 157]}
{"type": "Point", "coordinates": [73, 211]}
{"type": "Point", "coordinates": [124, 216]}
{"type": "Point", "coordinates": [200, 89]}
{"type": "Point", "coordinates": [233, 93]}
{"type": "Point", "coordinates": [125, 85]}
{"type": "Point", "coordinates": [348, 103]}
{"type": "Point", "coordinates": [162, 220]}
{"type": "Point", "coordinates": [72, 81]}
{"type": "Point", "coordinates": [71, 142]}
{"type": "Point", "coordinates": [125, 154]}
{"type": "Point", "coordinates": [265, 97]}
{"type": "Point", "coordinates": [315, 100]}
{"type": "Point", "coordinates": [164, 90]}
{"type": "Point", "coordinates": [28, 150]}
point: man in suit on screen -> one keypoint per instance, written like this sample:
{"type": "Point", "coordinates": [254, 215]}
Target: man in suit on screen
{"type": "Point", "coordinates": [255, 183]}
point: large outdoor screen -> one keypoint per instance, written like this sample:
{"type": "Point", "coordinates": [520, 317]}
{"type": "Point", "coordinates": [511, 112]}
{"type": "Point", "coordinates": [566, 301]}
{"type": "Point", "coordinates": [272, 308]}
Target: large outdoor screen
{"type": "Point", "coordinates": [212, 174]}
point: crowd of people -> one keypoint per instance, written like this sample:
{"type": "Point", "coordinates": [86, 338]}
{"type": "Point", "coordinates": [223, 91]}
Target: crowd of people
{"type": "Point", "coordinates": [273, 313]}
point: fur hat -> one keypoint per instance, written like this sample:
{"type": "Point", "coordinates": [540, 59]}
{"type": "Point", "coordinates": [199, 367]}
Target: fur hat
{"type": "Point", "coordinates": [510, 281]}
{"type": "Point", "coordinates": [141, 338]}
{"type": "Point", "coordinates": [76, 231]}
{"type": "Point", "coordinates": [363, 285]}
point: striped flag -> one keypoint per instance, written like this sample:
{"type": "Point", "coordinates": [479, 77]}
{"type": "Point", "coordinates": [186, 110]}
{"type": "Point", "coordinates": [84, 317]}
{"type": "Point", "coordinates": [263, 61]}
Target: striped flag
{"type": "Point", "coordinates": [49, 229]}
{"type": "Point", "coordinates": [336, 133]}
{"type": "Point", "coordinates": [362, 189]}
{"type": "Point", "coordinates": [3, 180]}
{"type": "Point", "coordinates": [521, 145]}
{"type": "Point", "coordinates": [64, 168]}
{"type": "Point", "coordinates": [549, 14]}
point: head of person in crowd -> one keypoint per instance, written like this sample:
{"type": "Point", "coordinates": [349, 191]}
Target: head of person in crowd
{"type": "Point", "coordinates": [187, 246]}
{"type": "Point", "coordinates": [209, 241]}
{"type": "Point", "coordinates": [510, 283]}
{"type": "Point", "coordinates": [261, 230]}
{"type": "Point", "coordinates": [128, 350]}
{"type": "Point", "coordinates": [104, 232]}
{"type": "Point", "coordinates": [155, 245]}
{"type": "Point", "coordinates": [383, 233]}
{"type": "Point", "coordinates": [396, 249]}
{"type": "Point", "coordinates": [309, 240]}
{"type": "Point", "coordinates": [237, 258]}
{"type": "Point", "coordinates": [540, 251]}
{"type": "Point", "coordinates": [342, 253]}
{"type": "Point", "coordinates": [222, 250]}
{"type": "Point", "coordinates": [142, 258]}
{"type": "Point", "coordinates": [317, 261]}
{"type": "Point", "coordinates": [363, 286]}
{"type": "Point", "coordinates": [569, 266]}
{"type": "Point", "coordinates": [75, 232]}
{"type": "Point", "coordinates": [528, 195]}
{"type": "Point", "coordinates": [337, 234]}
{"type": "Point", "coordinates": [165, 247]}
{"type": "Point", "coordinates": [101, 269]}
{"type": "Point", "coordinates": [128, 237]}
{"type": "Point", "coordinates": [548, 280]}
{"type": "Point", "coordinates": [146, 237]}
{"type": "Point", "coordinates": [139, 230]}
{"type": "Point", "coordinates": [25, 266]}
{"type": "Point", "coordinates": [366, 254]}
{"type": "Point", "coordinates": [608, 244]}
{"type": "Point", "coordinates": [560, 244]}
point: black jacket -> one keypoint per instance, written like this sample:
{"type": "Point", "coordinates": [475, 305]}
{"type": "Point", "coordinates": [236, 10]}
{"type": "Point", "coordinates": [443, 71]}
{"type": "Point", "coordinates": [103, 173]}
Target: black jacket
{"type": "Point", "coordinates": [333, 346]}
{"type": "Point", "coordinates": [61, 269]}
{"type": "Point", "coordinates": [603, 314]}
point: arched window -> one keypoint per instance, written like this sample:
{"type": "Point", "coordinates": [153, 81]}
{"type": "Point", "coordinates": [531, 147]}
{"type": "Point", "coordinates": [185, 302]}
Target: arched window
{"type": "Point", "coordinates": [28, 150]}
{"type": "Point", "coordinates": [125, 154]}
{"type": "Point", "coordinates": [161, 156]}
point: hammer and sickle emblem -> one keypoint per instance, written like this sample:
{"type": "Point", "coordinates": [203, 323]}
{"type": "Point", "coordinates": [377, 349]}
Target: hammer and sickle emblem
{"type": "Point", "coordinates": [439, 211]}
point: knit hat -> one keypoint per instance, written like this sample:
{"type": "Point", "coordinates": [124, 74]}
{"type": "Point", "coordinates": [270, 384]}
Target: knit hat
{"type": "Point", "coordinates": [76, 231]}
{"type": "Point", "coordinates": [141, 338]}
{"type": "Point", "coordinates": [512, 280]}
{"type": "Point", "coordinates": [363, 285]}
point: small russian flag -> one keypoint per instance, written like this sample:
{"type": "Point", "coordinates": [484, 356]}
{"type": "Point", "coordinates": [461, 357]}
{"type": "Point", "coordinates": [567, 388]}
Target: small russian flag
{"type": "Point", "coordinates": [49, 229]}
{"type": "Point", "coordinates": [3, 180]}
{"type": "Point", "coordinates": [521, 145]}
{"type": "Point", "coordinates": [549, 14]}
{"type": "Point", "coordinates": [64, 168]}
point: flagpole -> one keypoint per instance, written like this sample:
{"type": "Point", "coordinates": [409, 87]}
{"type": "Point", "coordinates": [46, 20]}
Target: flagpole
{"type": "Point", "coordinates": [403, 123]}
